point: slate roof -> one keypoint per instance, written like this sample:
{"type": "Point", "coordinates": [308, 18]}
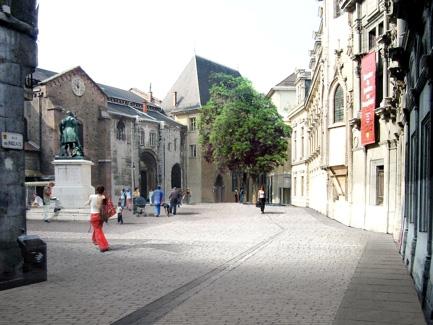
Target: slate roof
{"type": "Point", "coordinates": [153, 114]}
{"type": "Point", "coordinates": [289, 81]}
{"type": "Point", "coordinates": [42, 74]}
{"type": "Point", "coordinates": [162, 117]}
{"type": "Point", "coordinates": [121, 94]}
{"type": "Point", "coordinates": [193, 84]}
{"type": "Point", "coordinates": [125, 110]}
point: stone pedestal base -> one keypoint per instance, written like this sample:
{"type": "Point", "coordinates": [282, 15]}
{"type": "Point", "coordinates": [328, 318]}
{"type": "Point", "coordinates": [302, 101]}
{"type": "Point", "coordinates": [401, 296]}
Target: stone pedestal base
{"type": "Point", "coordinates": [73, 182]}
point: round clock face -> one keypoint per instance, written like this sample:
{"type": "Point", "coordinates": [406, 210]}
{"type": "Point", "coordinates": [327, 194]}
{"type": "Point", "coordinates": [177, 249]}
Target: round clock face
{"type": "Point", "coordinates": [78, 86]}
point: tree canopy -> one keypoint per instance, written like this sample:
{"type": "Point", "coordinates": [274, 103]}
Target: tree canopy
{"type": "Point", "coordinates": [240, 129]}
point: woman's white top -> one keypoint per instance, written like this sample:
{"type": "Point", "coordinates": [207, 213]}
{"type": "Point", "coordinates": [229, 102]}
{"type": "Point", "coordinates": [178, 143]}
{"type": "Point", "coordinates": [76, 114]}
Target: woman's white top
{"type": "Point", "coordinates": [261, 194]}
{"type": "Point", "coordinates": [94, 204]}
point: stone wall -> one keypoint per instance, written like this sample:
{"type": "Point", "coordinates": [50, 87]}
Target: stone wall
{"type": "Point", "coordinates": [19, 58]}
{"type": "Point", "coordinates": [54, 99]}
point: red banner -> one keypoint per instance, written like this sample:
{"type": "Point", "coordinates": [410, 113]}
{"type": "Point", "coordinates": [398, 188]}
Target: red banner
{"type": "Point", "coordinates": [368, 98]}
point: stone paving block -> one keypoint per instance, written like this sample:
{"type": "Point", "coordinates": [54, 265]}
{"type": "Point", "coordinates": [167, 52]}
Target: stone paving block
{"type": "Point", "coordinates": [381, 316]}
{"type": "Point", "coordinates": [289, 266]}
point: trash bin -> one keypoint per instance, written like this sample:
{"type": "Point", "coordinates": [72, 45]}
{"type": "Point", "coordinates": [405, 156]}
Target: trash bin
{"type": "Point", "coordinates": [34, 252]}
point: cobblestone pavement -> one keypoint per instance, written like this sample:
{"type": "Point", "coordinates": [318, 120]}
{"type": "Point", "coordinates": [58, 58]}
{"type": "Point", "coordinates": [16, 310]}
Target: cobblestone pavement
{"type": "Point", "coordinates": [210, 264]}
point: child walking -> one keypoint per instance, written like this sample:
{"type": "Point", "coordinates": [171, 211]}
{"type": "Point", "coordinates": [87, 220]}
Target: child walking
{"type": "Point", "coordinates": [119, 214]}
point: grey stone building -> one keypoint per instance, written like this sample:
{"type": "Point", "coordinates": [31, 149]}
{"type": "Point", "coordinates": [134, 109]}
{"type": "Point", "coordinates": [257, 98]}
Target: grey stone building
{"type": "Point", "coordinates": [184, 100]}
{"type": "Point", "coordinates": [130, 140]}
{"type": "Point", "coordinates": [147, 145]}
{"type": "Point", "coordinates": [18, 34]}
{"type": "Point", "coordinates": [411, 67]}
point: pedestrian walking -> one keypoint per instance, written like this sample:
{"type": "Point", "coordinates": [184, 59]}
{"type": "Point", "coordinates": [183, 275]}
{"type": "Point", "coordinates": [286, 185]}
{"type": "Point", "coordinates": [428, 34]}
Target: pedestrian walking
{"type": "Point", "coordinates": [123, 198]}
{"type": "Point", "coordinates": [47, 193]}
{"type": "Point", "coordinates": [119, 214]}
{"type": "Point", "coordinates": [174, 200]}
{"type": "Point", "coordinates": [236, 195]}
{"type": "Point", "coordinates": [95, 202]}
{"type": "Point", "coordinates": [158, 199]}
{"type": "Point", "coordinates": [241, 195]}
{"type": "Point", "coordinates": [128, 199]}
{"type": "Point", "coordinates": [136, 194]}
{"type": "Point", "coordinates": [187, 196]}
{"type": "Point", "coordinates": [261, 198]}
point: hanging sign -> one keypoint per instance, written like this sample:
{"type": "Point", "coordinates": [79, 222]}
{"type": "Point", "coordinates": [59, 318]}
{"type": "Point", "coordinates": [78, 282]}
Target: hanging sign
{"type": "Point", "coordinates": [368, 98]}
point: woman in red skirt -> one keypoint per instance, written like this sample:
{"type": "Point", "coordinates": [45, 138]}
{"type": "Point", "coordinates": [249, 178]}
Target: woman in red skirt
{"type": "Point", "coordinates": [95, 201]}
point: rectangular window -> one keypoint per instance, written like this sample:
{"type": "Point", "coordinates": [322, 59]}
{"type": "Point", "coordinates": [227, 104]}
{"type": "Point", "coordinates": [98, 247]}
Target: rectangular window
{"type": "Point", "coordinates": [379, 184]}
{"type": "Point", "coordinates": [294, 186]}
{"type": "Point", "coordinates": [192, 124]}
{"type": "Point", "coordinates": [372, 39]}
{"type": "Point", "coordinates": [193, 150]}
{"type": "Point", "coordinates": [169, 146]}
{"type": "Point", "coordinates": [425, 177]}
{"type": "Point", "coordinates": [413, 171]}
{"type": "Point", "coordinates": [376, 182]}
{"type": "Point", "coordinates": [152, 139]}
{"type": "Point", "coordinates": [142, 138]}
{"type": "Point", "coordinates": [302, 142]}
{"type": "Point", "coordinates": [302, 186]}
{"type": "Point", "coordinates": [294, 146]}
{"type": "Point", "coordinates": [175, 144]}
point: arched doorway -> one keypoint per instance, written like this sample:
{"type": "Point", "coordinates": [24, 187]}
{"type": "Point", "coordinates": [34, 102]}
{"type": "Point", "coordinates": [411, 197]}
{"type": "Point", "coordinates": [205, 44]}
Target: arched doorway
{"type": "Point", "coordinates": [176, 176]}
{"type": "Point", "coordinates": [148, 172]}
{"type": "Point", "coordinates": [218, 189]}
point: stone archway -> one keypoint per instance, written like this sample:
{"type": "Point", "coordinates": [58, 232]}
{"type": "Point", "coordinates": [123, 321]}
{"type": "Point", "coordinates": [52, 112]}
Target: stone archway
{"type": "Point", "coordinates": [148, 173]}
{"type": "Point", "coordinates": [218, 189]}
{"type": "Point", "coordinates": [176, 176]}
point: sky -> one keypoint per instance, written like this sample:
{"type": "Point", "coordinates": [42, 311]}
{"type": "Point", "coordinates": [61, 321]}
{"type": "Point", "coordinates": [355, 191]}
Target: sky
{"type": "Point", "coordinates": [135, 43]}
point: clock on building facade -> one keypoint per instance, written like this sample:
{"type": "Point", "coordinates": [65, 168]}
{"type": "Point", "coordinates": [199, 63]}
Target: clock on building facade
{"type": "Point", "coordinates": [78, 86]}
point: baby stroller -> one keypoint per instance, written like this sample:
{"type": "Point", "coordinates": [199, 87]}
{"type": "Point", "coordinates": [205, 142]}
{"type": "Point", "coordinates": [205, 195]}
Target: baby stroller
{"type": "Point", "coordinates": [139, 205]}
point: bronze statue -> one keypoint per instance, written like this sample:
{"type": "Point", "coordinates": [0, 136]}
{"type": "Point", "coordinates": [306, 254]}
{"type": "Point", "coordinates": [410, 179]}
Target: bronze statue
{"type": "Point", "coordinates": [69, 140]}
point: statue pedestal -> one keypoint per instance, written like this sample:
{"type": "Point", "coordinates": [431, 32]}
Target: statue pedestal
{"type": "Point", "coordinates": [73, 182]}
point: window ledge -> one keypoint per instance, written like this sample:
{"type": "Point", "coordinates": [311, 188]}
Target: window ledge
{"type": "Point", "coordinates": [336, 125]}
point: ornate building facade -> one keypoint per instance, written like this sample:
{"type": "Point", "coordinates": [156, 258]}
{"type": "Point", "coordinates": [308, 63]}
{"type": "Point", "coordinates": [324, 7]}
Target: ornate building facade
{"type": "Point", "coordinates": [411, 106]}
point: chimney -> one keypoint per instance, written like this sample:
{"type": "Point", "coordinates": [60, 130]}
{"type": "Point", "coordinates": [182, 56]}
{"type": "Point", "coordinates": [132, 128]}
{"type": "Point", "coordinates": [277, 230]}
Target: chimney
{"type": "Point", "coordinates": [150, 93]}
{"type": "Point", "coordinates": [175, 99]}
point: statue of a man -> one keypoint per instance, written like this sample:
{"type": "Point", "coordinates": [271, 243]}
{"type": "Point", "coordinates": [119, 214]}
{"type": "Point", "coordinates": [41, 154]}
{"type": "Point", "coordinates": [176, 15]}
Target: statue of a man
{"type": "Point", "coordinates": [69, 140]}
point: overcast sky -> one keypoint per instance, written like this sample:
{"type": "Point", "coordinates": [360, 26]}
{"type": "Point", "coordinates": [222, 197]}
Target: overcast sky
{"type": "Point", "coordinates": [132, 43]}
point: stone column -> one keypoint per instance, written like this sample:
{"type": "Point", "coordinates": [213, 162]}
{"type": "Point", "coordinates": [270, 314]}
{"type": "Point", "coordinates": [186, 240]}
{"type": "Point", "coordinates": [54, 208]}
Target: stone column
{"type": "Point", "coordinates": [18, 59]}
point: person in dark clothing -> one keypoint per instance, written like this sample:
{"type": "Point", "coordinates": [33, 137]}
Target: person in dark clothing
{"type": "Point", "coordinates": [174, 199]}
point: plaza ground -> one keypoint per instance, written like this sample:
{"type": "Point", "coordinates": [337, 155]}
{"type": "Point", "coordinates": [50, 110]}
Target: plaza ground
{"type": "Point", "coordinates": [217, 264]}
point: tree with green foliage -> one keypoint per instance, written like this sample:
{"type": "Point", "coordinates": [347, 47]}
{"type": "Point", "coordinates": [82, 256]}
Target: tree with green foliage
{"type": "Point", "coordinates": [240, 129]}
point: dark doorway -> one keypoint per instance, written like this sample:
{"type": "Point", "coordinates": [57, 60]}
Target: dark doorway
{"type": "Point", "coordinates": [176, 176]}
{"type": "Point", "coordinates": [148, 173]}
{"type": "Point", "coordinates": [143, 183]}
{"type": "Point", "coordinates": [219, 189]}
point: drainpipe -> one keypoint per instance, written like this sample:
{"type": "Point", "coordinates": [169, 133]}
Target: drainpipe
{"type": "Point", "coordinates": [132, 152]}
{"type": "Point", "coordinates": [39, 94]}
{"type": "Point", "coordinates": [406, 185]}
